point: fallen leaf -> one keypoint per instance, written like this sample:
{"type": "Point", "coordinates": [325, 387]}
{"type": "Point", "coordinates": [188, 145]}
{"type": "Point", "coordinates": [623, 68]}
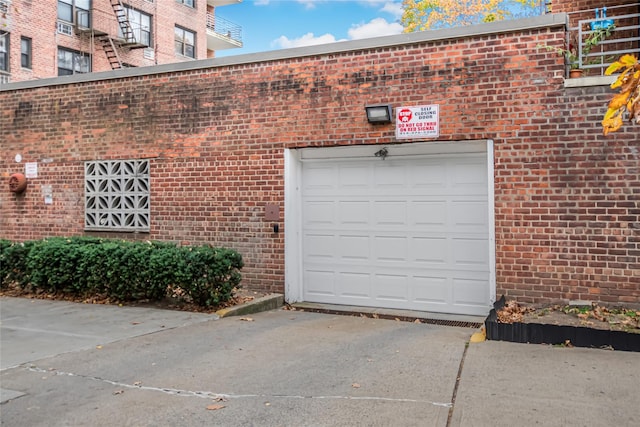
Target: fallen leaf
{"type": "Point", "coordinates": [135, 323]}
{"type": "Point", "coordinates": [247, 319]}
{"type": "Point", "coordinates": [137, 383]}
{"type": "Point", "coordinates": [118, 392]}
{"type": "Point", "coordinates": [374, 315]}
{"type": "Point", "coordinates": [417, 321]}
{"type": "Point", "coordinates": [267, 404]}
{"type": "Point", "coordinates": [99, 347]}
{"type": "Point", "coordinates": [355, 385]}
{"type": "Point", "coordinates": [215, 407]}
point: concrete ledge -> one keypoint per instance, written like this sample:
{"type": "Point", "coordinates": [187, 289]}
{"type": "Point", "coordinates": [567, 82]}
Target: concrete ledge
{"type": "Point", "coordinates": [590, 81]}
{"type": "Point", "coordinates": [266, 303]}
{"type": "Point", "coordinates": [466, 31]}
{"type": "Point", "coordinates": [460, 320]}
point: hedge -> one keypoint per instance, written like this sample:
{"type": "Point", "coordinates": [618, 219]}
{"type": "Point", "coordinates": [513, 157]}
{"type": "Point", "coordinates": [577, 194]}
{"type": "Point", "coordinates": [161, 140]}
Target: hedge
{"type": "Point", "coordinates": [121, 269]}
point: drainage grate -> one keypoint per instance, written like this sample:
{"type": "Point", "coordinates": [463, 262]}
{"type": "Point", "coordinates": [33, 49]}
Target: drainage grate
{"type": "Point", "coordinates": [412, 319]}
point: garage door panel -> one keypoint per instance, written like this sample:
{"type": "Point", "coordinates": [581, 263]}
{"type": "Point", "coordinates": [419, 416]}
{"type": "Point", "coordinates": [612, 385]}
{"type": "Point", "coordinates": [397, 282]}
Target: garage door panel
{"type": "Point", "coordinates": [470, 291]}
{"type": "Point", "coordinates": [354, 212]}
{"type": "Point", "coordinates": [428, 214]}
{"type": "Point", "coordinates": [390, 249]}
{"type": "Point", "coordinates": [390, 213]}
{"type": "Point", "coordinates": [428, 175]}
{"type": "Point", "coordinates": [431, 289]}
{"type": "Point", "coordinates": [391, 287]}
{"type": "Point", "coordinates": [355, 248]}
{"type": "Point", "coordinates": [320, 177]}
{"type": "Point", "coordinates": [469, 252]}
{"type": "Point", "coordinates": [355, 177]}
{"type": "Point", "coordinates": [354, 285]}
{"type": "Point", "coordinates": [389, 175]}
{"type": "Point", "coordinates": [319, 283]}
{"type": "Point", "coordinates": [467, 174]}
{"type": "Point", "coordinates": [470, 216]}
{"type": "Point", "coordinates": [318, 212]}
{"type": "Point", "coordinates": [429, 251]}
{"type": "Point", "coordinates": [319, 246]}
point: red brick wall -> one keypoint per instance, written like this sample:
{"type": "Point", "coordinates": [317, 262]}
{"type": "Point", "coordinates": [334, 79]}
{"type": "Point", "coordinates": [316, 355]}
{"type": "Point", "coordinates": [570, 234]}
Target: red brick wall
{"type": "Point", "coordinates": [566, 198]}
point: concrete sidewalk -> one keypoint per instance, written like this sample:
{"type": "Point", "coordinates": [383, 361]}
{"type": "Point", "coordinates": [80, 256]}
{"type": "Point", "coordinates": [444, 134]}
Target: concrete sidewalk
{"type": "Point", "coordinates": [292, 368]}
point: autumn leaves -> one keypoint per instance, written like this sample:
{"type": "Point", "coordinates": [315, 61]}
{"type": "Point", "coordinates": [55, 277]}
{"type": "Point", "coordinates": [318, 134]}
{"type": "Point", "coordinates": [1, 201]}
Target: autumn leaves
{"type": "Point", "coordinates": [629, 97]}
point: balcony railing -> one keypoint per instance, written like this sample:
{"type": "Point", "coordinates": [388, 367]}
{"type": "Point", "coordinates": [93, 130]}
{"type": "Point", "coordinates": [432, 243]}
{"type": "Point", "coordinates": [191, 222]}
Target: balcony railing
{"type": "Point", "coordinates": [224, 28]}
{"type": "Point", "coordinates": [624, 38]}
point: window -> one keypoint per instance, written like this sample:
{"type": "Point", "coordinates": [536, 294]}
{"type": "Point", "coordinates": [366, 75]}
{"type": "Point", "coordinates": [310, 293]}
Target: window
{"type": "Point", "coordinates": [4, 52]}
{"type": "Point", "coordinates": [140, 24]}
{"type": "Point", "coordinates": [25, 52]}
{"type": "Point", "coordinates": [75, 11]}
{"type": "Point", "coordinates": [117, 195]}
{"type": "Point", "coordinates": [73, 62]}
{"type": "Point", "coordinates": [185, 42]}
{"type": "Point", "coordinates": [190, 3]}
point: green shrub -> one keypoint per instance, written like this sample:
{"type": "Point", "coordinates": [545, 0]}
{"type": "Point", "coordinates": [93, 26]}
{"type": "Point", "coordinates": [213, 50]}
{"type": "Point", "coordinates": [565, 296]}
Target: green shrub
{"type": "Point", "coordinates": [122, 270]}
{"type": "Point", "coordinates": [13, 263]}
{"type": "Point", "coordinates": [211, 274]}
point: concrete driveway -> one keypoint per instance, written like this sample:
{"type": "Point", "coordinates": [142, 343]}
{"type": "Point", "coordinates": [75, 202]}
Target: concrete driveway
{"type": "Point", "coordinates": [282, 368]}
{"type": "Point", "coordinates": [291, 368]}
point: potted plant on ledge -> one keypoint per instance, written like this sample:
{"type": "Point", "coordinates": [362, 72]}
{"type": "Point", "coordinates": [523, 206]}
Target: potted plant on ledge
{"type": "Point", "coordinates": [572, 54]}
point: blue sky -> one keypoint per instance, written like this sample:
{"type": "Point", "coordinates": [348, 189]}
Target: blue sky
{"type": "Point", "coordinates": [279, 24]}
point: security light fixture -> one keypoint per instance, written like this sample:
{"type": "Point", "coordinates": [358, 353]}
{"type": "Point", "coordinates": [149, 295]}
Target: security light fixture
{"type": "Point", "coordinates": [378, 114]}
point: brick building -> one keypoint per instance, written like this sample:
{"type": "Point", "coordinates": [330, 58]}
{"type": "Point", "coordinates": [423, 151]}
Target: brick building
{"type": "Point", "coordinates": [494, 179]}
{"type": "Point", "coordinates": [48, 38]}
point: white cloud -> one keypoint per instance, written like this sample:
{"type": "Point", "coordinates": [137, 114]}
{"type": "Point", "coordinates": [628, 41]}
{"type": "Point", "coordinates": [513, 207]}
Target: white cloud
{"type": "Point", "coordinates": [308, 39]}
{"type": "Point", "coordinates": [374, 28]}
{"type": "Point", "coordinates": [377, 27]}
{"type": "Point", "coordinates": [393, 8]}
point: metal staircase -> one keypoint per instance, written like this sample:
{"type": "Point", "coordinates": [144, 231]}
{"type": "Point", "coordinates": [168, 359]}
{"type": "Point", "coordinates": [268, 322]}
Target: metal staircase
{"type": "Point", "coordinates": [111, 51]}
{"type": "Point", "coordinates": [111, 44]}
{"type": "Point", "coordinates": [123, 21]}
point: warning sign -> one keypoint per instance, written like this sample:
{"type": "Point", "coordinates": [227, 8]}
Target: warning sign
{"type": "Point", "coordinates": [417, 122]}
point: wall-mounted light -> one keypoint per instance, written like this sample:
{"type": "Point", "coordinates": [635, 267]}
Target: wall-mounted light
{"type": "Point", "coordinates": [378, 113]}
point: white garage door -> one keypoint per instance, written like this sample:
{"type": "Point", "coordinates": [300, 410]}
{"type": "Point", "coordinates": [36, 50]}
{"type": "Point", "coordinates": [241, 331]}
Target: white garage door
{"type": "Point", "coordinates": [408, 232]}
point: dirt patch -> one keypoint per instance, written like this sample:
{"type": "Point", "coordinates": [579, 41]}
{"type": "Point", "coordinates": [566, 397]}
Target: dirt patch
{"type": "Point", "coordinates": [593, 316]}
{"type": "Point", "coordinates": [173, 301]}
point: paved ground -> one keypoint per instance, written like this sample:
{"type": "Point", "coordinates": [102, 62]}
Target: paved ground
{"type": "Point", "coordinates": [290, 368]}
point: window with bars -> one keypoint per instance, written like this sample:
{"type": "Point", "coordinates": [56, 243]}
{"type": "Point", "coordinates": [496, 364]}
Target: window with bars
{"type": "Point", "coordinates": [117, 195]}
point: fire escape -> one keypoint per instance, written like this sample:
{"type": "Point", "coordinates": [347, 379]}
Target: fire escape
{"type": "Point", "coordinates": [111, 44]}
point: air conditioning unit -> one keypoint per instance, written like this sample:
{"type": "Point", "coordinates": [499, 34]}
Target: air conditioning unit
{"type": "Point", "coordinates": [64, 28]}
